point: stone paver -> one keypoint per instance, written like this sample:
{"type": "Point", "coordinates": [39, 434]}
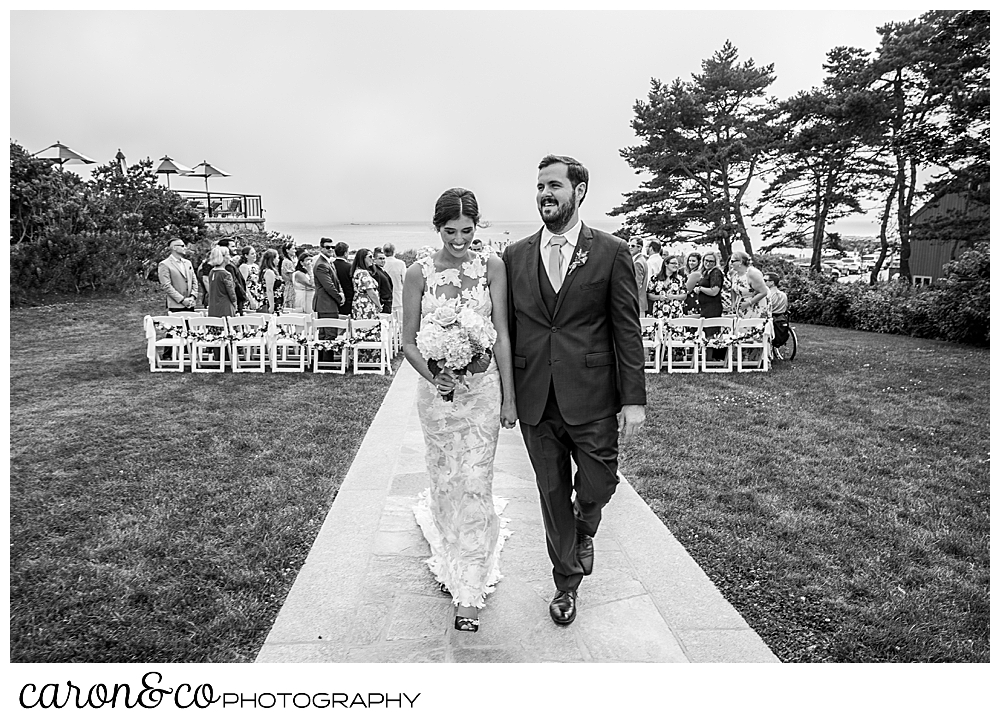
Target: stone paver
{"type": "Point", "coordinates": [364, 593]}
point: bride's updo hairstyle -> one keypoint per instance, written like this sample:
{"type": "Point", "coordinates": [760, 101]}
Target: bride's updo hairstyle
{"type": "Point", "coordinates": [453, 203]}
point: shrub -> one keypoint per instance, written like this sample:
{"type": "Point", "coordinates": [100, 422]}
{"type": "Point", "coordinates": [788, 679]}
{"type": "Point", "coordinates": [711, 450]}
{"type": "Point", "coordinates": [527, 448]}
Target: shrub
{"type": "Point", "coordinates": [955, 309]}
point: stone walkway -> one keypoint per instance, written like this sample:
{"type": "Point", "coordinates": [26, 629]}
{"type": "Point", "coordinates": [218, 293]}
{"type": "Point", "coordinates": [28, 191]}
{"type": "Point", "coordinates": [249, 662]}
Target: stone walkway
{"type": "Point", "coordinates": [365, 594]}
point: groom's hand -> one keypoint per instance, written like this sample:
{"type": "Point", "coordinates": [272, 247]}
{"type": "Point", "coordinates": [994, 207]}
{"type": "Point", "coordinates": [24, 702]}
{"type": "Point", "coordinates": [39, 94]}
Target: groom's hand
{"type": "Point", "coordinates": [630, 419]}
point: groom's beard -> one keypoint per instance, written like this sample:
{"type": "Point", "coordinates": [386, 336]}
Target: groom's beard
{"type": "Point", "coordinates": [564, 212]}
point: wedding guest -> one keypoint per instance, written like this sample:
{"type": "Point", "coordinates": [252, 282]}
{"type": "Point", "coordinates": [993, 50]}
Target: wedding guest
{"type": "Point", "coordinates": [654, 260]}
{"type": "Point", "coordinates": [777, 298]}
{"type": "Point", "coordinates": [710, 286]}
{"type": "Point", "coordinates": [396, 269]}
{"type": "Point", "coordinates": [641, 271]}
{"type": "Point", "coordinates": [329, 296]}
{"type": "Point", "coordinates": [666, 292]}
{"type": "Point", "coordinates": [271, 283]}
{"type": "Point", "coordinates": [204, 268]}
{"type": "Point", "coordinates": [222, 298]}
{"type": "Point", "coordinates": [366, 300]}
{"type": "Point", "coordinates": [238, 281]}
{"type": "Point", "coordinates": [749, 292]}
{"type": "Point", "coordinates": [251, 276]}
{"type": "Point", "coordinates": [303, 282]}
{"type": "Point", "coordinates": [177, 278]}
{"type": "Point", "coordinates": [286, 267]}
{"type": "Point", "coordinates": [383, 280]}
{"type": "Point", "coordinates": [692, 266]}
{"type": "Point", "coordinates": [344, 275]}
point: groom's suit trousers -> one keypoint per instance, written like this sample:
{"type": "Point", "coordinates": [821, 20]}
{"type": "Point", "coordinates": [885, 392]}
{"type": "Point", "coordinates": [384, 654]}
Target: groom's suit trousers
{"type": "Point", "coordinates": [594, 447]}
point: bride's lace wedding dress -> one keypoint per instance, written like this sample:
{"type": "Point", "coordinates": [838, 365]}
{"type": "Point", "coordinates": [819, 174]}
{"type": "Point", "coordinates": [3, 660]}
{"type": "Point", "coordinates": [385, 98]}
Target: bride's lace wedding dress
{"type": "Point", "coordinates": [458, 514]}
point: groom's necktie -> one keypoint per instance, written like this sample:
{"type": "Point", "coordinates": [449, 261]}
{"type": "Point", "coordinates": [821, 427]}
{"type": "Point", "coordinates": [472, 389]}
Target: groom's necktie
{"type": "Point", "coordinates": [555, 261]}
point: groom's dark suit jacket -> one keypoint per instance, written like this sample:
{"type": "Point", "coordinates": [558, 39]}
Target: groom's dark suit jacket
{"type": "Point", "coordinates": [589, 345]}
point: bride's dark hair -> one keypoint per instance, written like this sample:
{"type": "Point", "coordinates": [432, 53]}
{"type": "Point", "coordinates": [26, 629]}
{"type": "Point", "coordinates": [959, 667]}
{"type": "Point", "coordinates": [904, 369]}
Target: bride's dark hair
{"type": "Point", "coordinates": [453, 203]}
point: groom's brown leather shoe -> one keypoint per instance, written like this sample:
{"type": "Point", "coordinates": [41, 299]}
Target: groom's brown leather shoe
{"type": "Point", "coordinates": [563, 607]}
{"type": "Point", "coordinates": [585, 552]}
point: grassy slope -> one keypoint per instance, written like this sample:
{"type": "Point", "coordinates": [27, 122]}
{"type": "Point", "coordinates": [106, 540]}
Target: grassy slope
{"type": "Point", "coordinates": [841, 502]}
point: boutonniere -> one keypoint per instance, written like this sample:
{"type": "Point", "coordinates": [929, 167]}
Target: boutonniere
{"type": "Point", "coordinates": [580, 260]}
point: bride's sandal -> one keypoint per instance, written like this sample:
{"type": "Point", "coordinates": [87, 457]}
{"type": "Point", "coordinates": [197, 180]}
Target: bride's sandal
{"type": "Point", "coordinates": [466, 625]}
{"type": "Point", "coordinates": [444, 589]}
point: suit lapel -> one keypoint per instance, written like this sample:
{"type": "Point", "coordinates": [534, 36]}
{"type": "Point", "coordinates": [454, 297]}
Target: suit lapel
{"type": "Point", "coordinates": [584, 241]}
{"type": "Point", "coordinates": [531, 258]}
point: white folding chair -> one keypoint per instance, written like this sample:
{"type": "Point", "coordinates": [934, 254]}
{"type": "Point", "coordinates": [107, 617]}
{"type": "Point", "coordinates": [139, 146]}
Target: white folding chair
{"type": "Point", "coordinates": [392, 336]}
{"type": "Point", "coordinates": [192, 314]}
{"type": "Point", "coordinates": [753, 335]}
{"type": "Point", "coordinates": [341, 353]}
{"type": "Point", "coordinates": [171, 331]}
{"type": "Point", "coordinates": [288, 342]}
{"type": "Point", "coordinates": [682, 335]}
{"type": "Point", "coordinates": [719, 341]}
{"type": "Point", "coordinates": [371, 335]}
{"type": "Point", "coordinates": [248, 343]}
{"type": "Point", "coordinates": [208, 334]}
{"type": "Point", "coordinates": [652, 344]}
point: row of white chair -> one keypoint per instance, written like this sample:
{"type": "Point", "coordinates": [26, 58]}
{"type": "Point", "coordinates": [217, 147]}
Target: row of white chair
{"type": "Point", "coordinates": [283, 343]}
{"type": "Point", "coordinates": [718, 344]}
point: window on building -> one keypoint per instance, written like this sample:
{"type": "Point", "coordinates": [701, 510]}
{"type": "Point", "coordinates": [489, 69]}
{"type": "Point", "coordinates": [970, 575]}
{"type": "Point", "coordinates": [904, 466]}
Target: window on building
{"type": "Point", "coordinates": [922, 280]}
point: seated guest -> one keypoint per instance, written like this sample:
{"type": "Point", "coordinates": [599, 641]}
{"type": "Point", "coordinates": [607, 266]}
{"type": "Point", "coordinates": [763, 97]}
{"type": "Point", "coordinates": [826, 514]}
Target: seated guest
{"type": "Point", "coordinates": [778, 301]}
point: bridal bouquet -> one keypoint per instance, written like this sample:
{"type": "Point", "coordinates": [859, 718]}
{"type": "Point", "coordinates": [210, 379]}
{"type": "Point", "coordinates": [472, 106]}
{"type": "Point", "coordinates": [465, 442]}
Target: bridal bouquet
{"type": "Point", "coordinates": [456, 337]}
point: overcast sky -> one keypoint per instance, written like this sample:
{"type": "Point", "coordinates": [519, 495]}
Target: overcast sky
{"type": "Point", "coordinates": [368, 116]}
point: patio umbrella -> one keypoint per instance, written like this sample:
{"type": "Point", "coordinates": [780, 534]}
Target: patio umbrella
{"type": "Point", "coordinates": [168, 166]}
{"type": "Point", "coordinates": [206, 170]}
{"type": "Point", "coordinates": [62, 154]}
{"type": "Point", "coordinates": [120, 157]}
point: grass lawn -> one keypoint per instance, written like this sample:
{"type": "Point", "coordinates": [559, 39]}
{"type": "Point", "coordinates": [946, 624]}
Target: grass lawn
{"type": "Point", "coordinates": [840, 502]}
{"type": "Point", "coordinates": [160, 517]}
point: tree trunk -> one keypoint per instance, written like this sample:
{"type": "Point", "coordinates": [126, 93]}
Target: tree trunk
{"type": "Point", "coordinates": [882, 236]}
{"type": "Point", "coordinates": [816, 262]}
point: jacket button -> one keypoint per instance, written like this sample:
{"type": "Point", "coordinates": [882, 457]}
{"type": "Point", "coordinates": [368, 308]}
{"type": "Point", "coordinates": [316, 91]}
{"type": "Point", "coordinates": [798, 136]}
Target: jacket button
{"type": "Point", "coordinates": [555, 329]}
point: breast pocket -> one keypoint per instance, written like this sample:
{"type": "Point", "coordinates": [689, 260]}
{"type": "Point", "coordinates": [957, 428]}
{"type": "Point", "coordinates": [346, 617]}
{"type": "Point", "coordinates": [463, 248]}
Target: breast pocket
{"type": "Point", "coordinates": [592, 285]}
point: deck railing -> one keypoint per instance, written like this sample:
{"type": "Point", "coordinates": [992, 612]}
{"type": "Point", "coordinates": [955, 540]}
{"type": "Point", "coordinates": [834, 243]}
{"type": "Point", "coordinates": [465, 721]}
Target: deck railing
{"type": "Point", "coordinates": [225, 206]}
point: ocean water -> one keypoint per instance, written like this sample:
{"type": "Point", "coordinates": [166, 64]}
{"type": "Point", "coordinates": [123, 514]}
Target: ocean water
{"type": "Point", "coordinates": [405, 236]}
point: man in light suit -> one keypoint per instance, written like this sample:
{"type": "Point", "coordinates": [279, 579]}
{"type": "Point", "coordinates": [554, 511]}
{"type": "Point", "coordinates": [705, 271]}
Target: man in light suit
{"type": "Point", "coordinates": [641, 272]}
{"type": "Point", "coordinates": [177, 279]}
{"type": "Point", "coordinates": [578, 367]}
{"type": "Point", "coordinates": [329, 295]}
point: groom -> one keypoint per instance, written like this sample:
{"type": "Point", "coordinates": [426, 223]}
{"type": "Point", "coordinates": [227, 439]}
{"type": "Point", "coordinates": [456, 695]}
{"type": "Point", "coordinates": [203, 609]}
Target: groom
{"type": "Point", "coordinates": [578, 367]}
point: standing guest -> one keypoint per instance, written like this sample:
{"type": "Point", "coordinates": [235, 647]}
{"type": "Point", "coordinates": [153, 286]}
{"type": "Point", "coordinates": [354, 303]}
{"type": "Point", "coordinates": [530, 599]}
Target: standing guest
{"type": "Point", "coordinates": [692, 265]}
{"type": "Point", "coordinates": [641, 269]}
{"type": "Point", "coordinates": [383, 280]}
{"type": "Point", "coordinates": [654, 260]}
{"type": "Point", "coordinates": [709, 286]}
{"type": "Point", "coordinates": [396, 269]}
{"type": "Point", "coordinates": [366, 301]}
{"type": "Point", "coordinates": [177, 278]}
{"type": "Point", "coordinates": [749, 292]}
{"type": "Point", "coordinates": [345, 276]}
{"type": "Point", "coordinates": [232, 268]}
{"type": "Point", "coordinates": [271, 283]}
{"type": "Point", "coordinates": [303, 282]}
{"type": "Point", "coordinates": [221, 285]}
{"type": "Point", "coordinates": [329, 296]}
{"type": "Point", "coordinates": [286, 267]}
{"type": "Point", "coordinates": [251, 277]}
{"type": "Point", "coordinates": [666, 292]}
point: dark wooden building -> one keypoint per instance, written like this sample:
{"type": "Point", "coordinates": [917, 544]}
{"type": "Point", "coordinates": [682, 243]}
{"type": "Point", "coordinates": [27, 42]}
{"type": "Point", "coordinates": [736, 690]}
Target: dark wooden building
{"type": "Point", "coordinates": [944, 227]}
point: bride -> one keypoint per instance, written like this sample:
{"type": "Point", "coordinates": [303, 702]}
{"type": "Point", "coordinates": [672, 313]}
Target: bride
{"type": "Point", "coordinates": [461, 414]}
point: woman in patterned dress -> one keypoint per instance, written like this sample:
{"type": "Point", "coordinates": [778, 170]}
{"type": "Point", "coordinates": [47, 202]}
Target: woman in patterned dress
{"type": "Point", "coordinates": [271, 283]}
{"type": "Point", "coordinates": [666, 291]}
{"type": "Point", "coordinates": [458, 514]}
{"type": "Point", "coordinates": [749, 292]}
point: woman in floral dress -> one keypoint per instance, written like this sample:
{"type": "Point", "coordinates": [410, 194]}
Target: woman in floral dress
{"type": "Point", "coordinates": [666, 291]}
{"type": "Point", "coordinates": [366, 302]}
